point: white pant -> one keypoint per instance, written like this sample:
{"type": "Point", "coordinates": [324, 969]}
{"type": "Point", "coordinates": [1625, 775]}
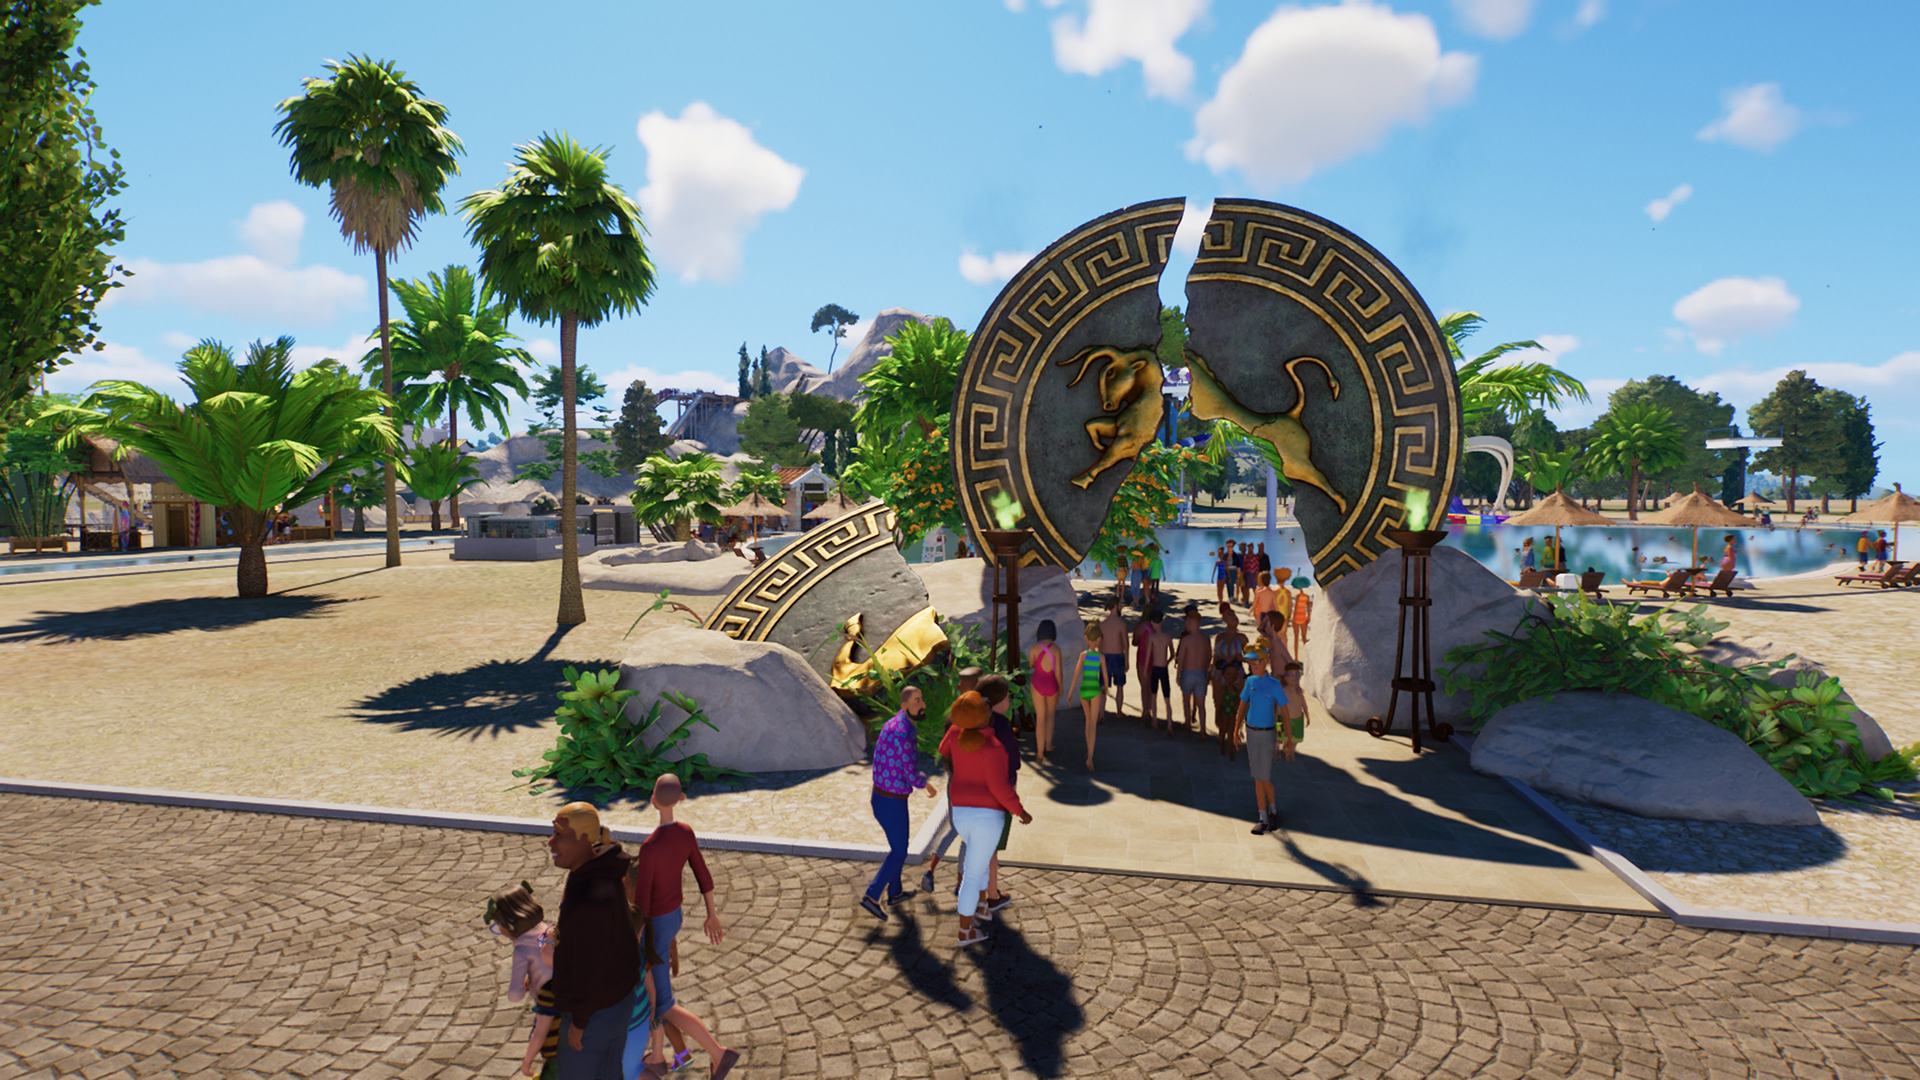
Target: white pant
{"type": "Point", "coordinates": [979, 830]}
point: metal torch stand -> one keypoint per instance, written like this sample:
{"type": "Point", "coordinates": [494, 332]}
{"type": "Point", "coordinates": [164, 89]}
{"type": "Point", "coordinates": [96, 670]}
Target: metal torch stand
{"type": "Point", "coordinates": [1416, 550]}
{"type": "Point", "coordinates": [1005, 545]}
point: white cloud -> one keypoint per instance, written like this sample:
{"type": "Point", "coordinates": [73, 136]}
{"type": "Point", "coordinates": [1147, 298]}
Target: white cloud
{"type": "Point", "coordinates": [1756, 118]}
{"type": "Point", "coordinates": [1552, 348]}
{"type": "Point", "coordinates": [116, 361]}
{"type": "Point", "coordinates": [545, 350]}
{"type": "Point", "coordinates": [263, 286]}
{"type": "Point", "coordinates": [1116, 31]}
{"type": "Point", "coordinates": [992, 269]}
{"type": "Point", "coordinates": [1590, 12]}
{"type": "Point", "coordinates": [1316, 86]}
{"type": "Point", "coordinates": [708, 184]}
{"type": "Point", "coordinates": [348, 352]}
{"type": "Point", "coordinates": [1900, 373]}
{"type": "Point", "coordinates": [688, 379]}
{"type": "Point", "coordinates": [1659, 208]}
{"type": "Point", "coordinates": [1732, 308]}
{"type": "Point", "coordinates": [854, 334]}
{"type": "Point", "coordinates": [272, 231]}
{"type": "Point", "coordinates": [174, 339]}
{"type": "Point", "coordinates": [1497, 19]}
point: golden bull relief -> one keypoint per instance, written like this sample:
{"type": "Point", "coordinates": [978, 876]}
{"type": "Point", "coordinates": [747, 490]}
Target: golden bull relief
{"type": "Point", "coordinates": [1282, 431]}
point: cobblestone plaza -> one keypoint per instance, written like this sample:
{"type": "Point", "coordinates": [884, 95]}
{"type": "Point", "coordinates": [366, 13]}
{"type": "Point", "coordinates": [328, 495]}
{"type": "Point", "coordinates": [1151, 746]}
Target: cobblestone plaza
{"type": "Point", "coordinates": [146, 941]}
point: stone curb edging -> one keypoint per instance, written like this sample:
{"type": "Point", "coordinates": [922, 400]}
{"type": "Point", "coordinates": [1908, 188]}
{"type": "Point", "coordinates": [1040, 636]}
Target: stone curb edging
{"type": "Point", "coordinates": [1685, 914]}
{"type": "Point", "coordinates": [126, 568]}
{"type": "Point", "coordinates": [770, 845]}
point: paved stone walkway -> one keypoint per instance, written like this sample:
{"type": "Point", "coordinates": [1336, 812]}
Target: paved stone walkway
{"type": "Point", "coordinates": [166, 942]}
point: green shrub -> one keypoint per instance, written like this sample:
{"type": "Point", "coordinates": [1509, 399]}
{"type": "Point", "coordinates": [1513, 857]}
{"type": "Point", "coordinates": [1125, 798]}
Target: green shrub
{"type": "Point", "coordinates": [600, 748]}
{"type": "Point", "coordinates": [1803, 731]}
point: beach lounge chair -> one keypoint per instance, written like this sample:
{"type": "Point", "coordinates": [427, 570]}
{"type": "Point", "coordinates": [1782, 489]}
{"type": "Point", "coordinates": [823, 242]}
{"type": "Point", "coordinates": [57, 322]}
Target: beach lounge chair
{"type": "Point", "coordinates": [1590, 583]}
{"type": "Point", "coordinates": [1909, 576]}
{"type": "Point", "coordinates": [1722, 582]}
{"type": "Point", "coordinates": [1675, 585]}
{"type": "Point", "coordinates": [1887, 579]}
{"type": "Point", "coordinates": [1533, 579]}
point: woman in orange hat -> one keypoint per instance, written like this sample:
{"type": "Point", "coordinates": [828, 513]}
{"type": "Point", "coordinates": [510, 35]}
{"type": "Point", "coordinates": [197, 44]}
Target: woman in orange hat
{"type": "Point", "coordinates": [981, 797]}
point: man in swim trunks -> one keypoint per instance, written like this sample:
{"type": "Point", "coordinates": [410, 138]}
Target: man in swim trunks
{"type": "Point", "coordinates": [1113, 652]}
{"type": "Point", "coordinates": [1192, 653]}
{"type": "Point", "coordinates": [1159, 652]}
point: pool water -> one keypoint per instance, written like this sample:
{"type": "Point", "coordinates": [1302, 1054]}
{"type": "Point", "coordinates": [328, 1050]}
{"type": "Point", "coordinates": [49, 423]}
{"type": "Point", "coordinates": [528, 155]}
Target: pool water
{"type": "Point", "coordinates": [1758, 553]}
{"type": "Point", "coordinates": [199, 556]}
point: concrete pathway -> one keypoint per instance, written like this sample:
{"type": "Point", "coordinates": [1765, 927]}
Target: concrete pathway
{"type": "Point", "coordinates": [147, 941]}
{"type": "Point", "coordinates": [1360, 814]}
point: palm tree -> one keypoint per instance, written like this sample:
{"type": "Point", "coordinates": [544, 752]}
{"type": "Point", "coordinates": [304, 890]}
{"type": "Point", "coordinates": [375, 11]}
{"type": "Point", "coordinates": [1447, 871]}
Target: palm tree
{"type": "Point", "coordinates": [450, 353]}
{"type": "Point", "coordinates": [1515, 388]}
{"type": "Point", "coordinates": [367, 134]}
{"type": "Point", "coordinates": [438, 471]}
{"type": "Point", "coordinates": [680, 491]}
{"type": "Point", "coordinates": [258, 435]}
{"type": "Point", "coordinates": [559, 241]}
{"type": "Point", "coordinates": [1637, 437]}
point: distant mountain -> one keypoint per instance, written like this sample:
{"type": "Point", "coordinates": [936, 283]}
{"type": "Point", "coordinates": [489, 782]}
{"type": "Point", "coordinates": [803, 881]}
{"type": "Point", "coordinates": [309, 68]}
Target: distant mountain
{"type": "Point", "coordinates": [844, 383]}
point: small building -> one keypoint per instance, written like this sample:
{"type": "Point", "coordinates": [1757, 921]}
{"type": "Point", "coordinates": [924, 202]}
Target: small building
{"type": "Point", "coordinates": [519, 539]}
{"type": "Point", "coordinates": [806, 489]}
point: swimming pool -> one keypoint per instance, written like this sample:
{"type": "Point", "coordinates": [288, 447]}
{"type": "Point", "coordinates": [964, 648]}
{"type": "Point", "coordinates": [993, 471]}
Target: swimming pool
{"type": "Point", "coordinates": [198, 556]}
{"type": "Point", "coordinates": [1759, 553]}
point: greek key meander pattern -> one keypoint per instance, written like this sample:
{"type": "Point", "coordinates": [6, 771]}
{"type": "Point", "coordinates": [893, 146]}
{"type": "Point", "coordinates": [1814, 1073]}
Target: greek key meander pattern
{"type": "Point", "coordinates": [1401, 356]}
{"type": "Point", "coordinates": [1104, 259]}
{"type": "Point", "coordinates": [752, 610]}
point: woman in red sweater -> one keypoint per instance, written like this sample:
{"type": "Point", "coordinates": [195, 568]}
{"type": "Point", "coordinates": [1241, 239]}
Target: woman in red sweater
{"type": "Point", "coordinates": [981, 797]}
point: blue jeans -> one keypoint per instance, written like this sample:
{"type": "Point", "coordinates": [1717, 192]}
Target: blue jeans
{"type": "Point", "coordinates": [639, 1031]}
{"type": "Point", "coordinates": [602, 1045]}
{"type": "Point", "coordinates": [980, 831]}
{"type": "Point", "coordinates": [891, 813]}
{"type": "Point", "coordinates": [665, 929]}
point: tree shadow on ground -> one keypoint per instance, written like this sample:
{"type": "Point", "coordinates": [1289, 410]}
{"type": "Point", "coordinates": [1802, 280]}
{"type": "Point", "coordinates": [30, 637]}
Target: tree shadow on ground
{"type": "Point", "coordinates": [1030, 996]}
{"type": "Point", "coordinates": [929, 974]}
{"type": "Point", "coordinates": [150, 618]}
{"type": "Point", "coordinates": [492, 698]}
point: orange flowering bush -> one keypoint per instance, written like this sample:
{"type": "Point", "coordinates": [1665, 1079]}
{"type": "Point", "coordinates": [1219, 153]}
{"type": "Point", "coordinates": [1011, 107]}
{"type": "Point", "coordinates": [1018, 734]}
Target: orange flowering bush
{"type": "Point", "coordinates": [1148, 498]}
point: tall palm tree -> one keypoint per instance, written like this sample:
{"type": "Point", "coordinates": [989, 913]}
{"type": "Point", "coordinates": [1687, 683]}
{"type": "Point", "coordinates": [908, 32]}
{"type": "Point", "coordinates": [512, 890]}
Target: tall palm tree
{"type": "Point", "coordinates": [383, 150]}
{"type": "Point", "coordinates": [258, 434]}
{"type": "Point", "coordinates": [559, 241]}
{"type": "Point", "coordinates": [1638, 437]}
{"type": "Point", "coordinates": [451, 353]}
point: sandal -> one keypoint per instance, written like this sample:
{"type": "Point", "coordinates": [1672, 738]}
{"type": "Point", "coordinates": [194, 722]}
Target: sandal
{"type": "Point", "coordinates": [972, 937]}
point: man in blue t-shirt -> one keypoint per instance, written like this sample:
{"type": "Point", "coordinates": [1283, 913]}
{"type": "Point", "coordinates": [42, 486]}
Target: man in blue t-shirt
{"type": "Point", "coordinates": [1260, 703]}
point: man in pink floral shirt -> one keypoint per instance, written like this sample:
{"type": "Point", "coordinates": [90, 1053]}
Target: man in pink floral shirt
{"type": "Point", "coordinates": [896, 772]}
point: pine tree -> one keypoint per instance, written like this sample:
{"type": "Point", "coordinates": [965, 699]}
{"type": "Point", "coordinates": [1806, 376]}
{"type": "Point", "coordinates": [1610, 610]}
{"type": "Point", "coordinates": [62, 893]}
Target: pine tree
{"type": "Point", "coordinates": [762, 378]}
{"type": "Point", "coordinates": [746, 377]}
{"type": "Point", "coordinates": [637, 435]}
{"type": "Point", "coordinates": [1806, 432]}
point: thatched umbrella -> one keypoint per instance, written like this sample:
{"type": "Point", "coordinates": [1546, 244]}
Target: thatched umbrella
{"type": "Point", "coordinates": [837, 506]}
{"type": "Point", "coordinates": [1893, 509]}
{"type": "Point", "coordinates": [1752, 500]}
{"type": "Point", "coordinates": [1697, 510]}
{"type": "Point", "coordinates": [1558, 511]}
{"type": "Point", "coordinates": [755, 506]}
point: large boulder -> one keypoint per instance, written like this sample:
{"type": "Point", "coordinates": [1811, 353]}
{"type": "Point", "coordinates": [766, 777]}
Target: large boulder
{"type": "Point", "coordinates": [1739, 651]}
{"type": "Point", "coordinates": [1627, 753]}
{"type": "Point", "coordinates": [1356, 624]}
{"type": "Point", "coordinates": [652, 567]}
{"type": "Point", "coordinates": [771, 711]}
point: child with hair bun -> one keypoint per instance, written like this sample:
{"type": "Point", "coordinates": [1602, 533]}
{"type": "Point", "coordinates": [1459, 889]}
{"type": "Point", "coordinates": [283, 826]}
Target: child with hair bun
{"type": "Point", "coordinates": [514, 915]}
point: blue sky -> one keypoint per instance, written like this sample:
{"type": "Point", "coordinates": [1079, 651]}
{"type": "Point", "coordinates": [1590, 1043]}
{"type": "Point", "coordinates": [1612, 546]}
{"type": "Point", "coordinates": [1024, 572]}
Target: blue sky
{"type": "Point", "coordinates": [1719, 191]}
